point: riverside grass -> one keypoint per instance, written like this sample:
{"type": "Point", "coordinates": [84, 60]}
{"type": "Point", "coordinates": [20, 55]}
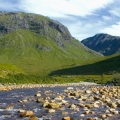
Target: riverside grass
{"type": "Point", "coordinates": [38, 79]}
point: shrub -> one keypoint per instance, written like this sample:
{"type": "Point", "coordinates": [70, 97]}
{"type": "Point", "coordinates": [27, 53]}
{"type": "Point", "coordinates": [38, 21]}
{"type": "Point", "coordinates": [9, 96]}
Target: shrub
{"type": "Point", "coordinates": [116, 79]}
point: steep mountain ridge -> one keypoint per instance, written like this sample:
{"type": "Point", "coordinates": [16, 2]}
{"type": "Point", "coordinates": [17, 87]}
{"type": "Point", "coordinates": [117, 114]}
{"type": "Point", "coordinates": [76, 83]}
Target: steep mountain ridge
{"type": "Point", "coordinates": [35, 23]}
{"type": "Point", "coordinates": [103, 43]}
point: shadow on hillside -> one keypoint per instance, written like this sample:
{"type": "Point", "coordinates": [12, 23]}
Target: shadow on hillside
{"type": "Point", "coordinates": [103, 67]}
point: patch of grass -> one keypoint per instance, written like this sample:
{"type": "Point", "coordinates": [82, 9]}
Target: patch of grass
{"type": "Point", "coordinates": [38, 79]}
{"type": "Point", "coordinates": [6, 69]}
{"type": "Point", "coordinates": [26, 79]}
{"type": "Point", "coordinates": [100, 79]}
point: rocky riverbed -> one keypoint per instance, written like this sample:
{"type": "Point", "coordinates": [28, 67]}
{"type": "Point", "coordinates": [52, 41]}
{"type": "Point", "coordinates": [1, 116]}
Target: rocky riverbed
{"type": "Point", "coordinates": [60, 102]}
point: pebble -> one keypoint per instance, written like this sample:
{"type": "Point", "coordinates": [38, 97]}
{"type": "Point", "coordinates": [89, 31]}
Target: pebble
{"type": "Point", "coordinates": [26, 113]}
{"type": "Point", "coordinates": [102, 101]}
{"type": "Point", "coordinates": [51, 105]}
{"type": "Point", "coordinates": [66, 118]}
{"type": "Point", "coordinates": [90, 119]}
{"type": "Point", "coordinates": [64, 113]}
{"type": "Point", "coordinates": [33, 118]}
{"type": "Point", "coordinates": [82, 115]}
{"type": "Point", "coordinates": [23, 101]}
{"type": "Point", "coordinates": [40, 100]}
{"type": "Point", "coordinates": [72, 106]}
{"type": "Point", "coordinates": [103, 116]}
{"type": "Point", "coordinates": [88, 91]}
{"type": "Point", "coordinates": [116, 112]}
{"type": "Point", "coordinates": [37, 94]}
{"type": "Point", "coordinates": [51, 111]}
{"type": "Point", "coordinates": [11, 106]}
{"type": "Point", "coordinates": [109, 115]}
{"type": "Point", "coordinates": [70, 88]}
{"type": "Point", "coordinates": [87, 112]}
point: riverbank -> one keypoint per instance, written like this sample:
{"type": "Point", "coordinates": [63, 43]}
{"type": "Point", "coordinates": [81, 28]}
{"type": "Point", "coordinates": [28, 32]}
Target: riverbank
{"type": "Point", "coordinates": [7, 87]}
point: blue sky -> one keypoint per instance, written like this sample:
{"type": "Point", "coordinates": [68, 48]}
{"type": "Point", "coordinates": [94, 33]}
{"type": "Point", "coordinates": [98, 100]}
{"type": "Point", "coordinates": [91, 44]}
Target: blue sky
{"type": "Point", "coordinates": [84, 18]}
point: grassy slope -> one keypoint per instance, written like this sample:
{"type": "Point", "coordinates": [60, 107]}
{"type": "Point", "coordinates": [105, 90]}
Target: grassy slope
{"type": "Point", "coordinates": [102, 71]}
{"type": "Point", "coordinates": [107, 65]}
{"type": "Point", "coordinates": [19, 48]}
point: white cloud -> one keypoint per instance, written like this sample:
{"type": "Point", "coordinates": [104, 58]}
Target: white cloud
{"type": "Point", "coordinates": [60, 8]}
{"type": "Point", "coordinates": [7, 5]}
{"type": "Point", "coordinates": [83, 18]}
{"type": "Point", "coordinates": [115, 12]}
{"type": "Point", "coordinates": [113, 29]}
{"type": "Point", "coordinates": [107, 18]}
{"type": "Point", "coordinates": [84, 29]}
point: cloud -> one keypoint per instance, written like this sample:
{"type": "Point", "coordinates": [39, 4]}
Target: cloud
{"type": "Point", "coordinates": [9, 5]}
{"type": "Point", "coordinates": [106, 18]}
{"type": "Point", "coordinates": [61, 8]}
{"type": "Point", "coordinates": [115, 12]}
{"type": "Point", "coordinates": [83, 18]}
{"type": "Point", "coordinates": [82, 31]}
{"type": "Point", "coordinates": [115, 9]}
{"type": "Point", "coordinates": [113, 29]}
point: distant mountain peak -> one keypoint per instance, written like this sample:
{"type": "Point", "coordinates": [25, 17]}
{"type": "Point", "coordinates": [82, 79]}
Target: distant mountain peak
{"type": "Point", "coordinates": [103, 43]}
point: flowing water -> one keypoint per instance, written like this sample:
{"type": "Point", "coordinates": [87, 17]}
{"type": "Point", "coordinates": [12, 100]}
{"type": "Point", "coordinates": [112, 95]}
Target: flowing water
{"type": "Point", "coordinates": [10, 105]}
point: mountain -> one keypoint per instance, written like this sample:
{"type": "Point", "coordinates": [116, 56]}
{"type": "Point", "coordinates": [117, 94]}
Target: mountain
{"type": "Point", "coordinates": [103, 43]}
{"type": "Point", "coordinates": [38, 44]}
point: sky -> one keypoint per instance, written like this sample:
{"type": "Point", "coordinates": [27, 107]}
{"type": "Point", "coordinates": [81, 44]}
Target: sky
{"type": "Point", "coordinates": [83, 18]}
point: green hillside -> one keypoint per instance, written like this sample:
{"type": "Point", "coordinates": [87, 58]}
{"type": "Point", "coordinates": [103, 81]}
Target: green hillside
{"type": "Point", "coordinates": [34, 53]}
{"type": "Point", "coordinates": [39, 45]}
